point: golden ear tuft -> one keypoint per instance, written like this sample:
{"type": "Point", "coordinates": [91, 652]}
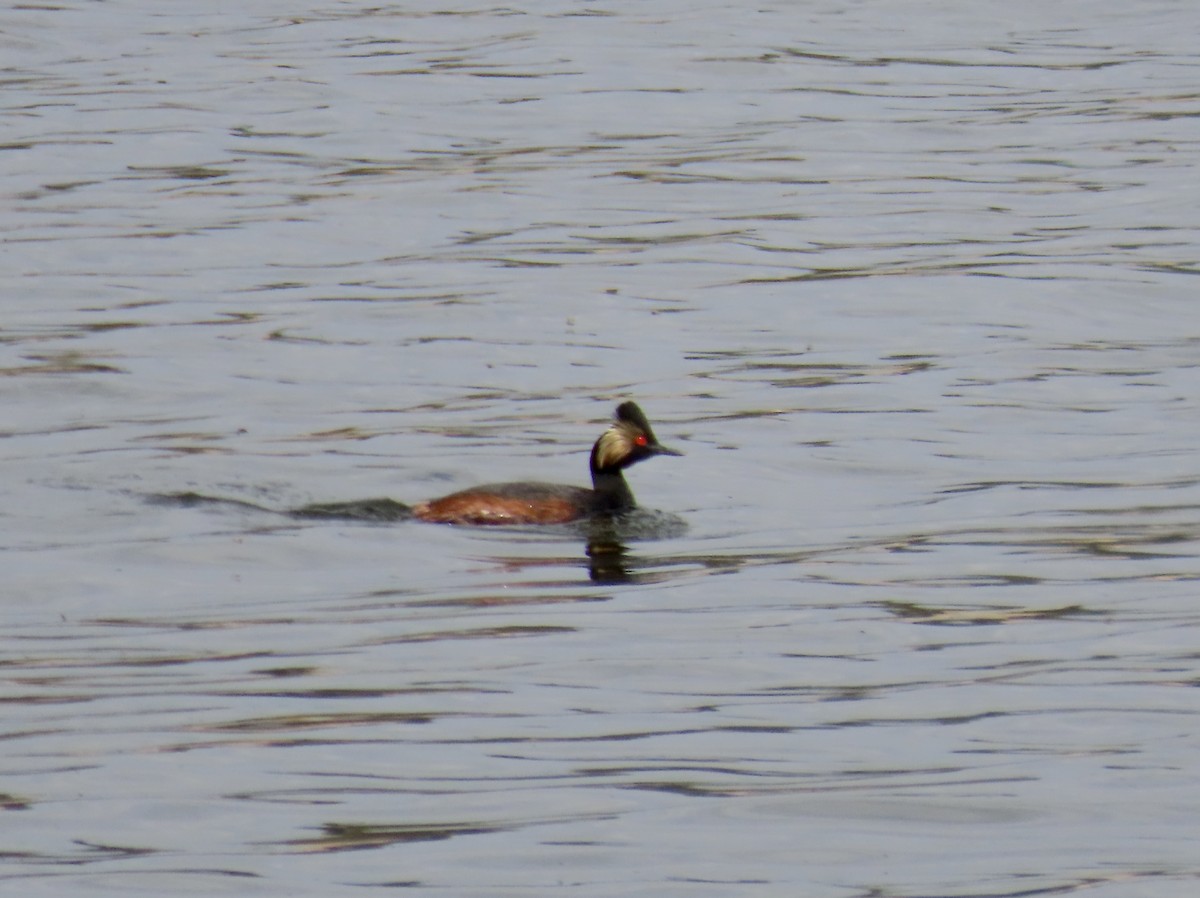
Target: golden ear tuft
{"type": "Point", "coordinates": [612, 447]}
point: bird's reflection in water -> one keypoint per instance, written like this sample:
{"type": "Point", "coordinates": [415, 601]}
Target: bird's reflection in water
{"type": "Point", "coordinates": [607, 559]}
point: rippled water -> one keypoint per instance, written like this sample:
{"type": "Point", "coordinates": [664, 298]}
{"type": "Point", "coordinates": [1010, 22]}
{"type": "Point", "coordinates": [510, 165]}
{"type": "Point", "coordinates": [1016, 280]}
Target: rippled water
{"type": "Point", "coordinates": [908, 282]}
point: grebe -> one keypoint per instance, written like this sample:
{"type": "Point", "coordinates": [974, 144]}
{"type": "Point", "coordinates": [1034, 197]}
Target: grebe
{"type": "Point", "coordinates": [627, 441]}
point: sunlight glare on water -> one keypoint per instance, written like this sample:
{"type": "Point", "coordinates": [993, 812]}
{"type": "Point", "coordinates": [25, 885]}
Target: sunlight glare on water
{"type": "Point", "coordinates": [914, 615]}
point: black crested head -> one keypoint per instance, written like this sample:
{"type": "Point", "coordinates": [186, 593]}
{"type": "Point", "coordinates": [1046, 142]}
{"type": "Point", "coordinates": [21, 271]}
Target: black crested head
{"type": "Point", "coordinates": [631, 413]}
{"type": "Point", "coordinates": [629, 440]}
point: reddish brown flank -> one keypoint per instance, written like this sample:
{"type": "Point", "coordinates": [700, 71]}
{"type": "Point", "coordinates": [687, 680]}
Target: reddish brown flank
{"type": "Point", "coordinates": [470, 507]}
{"type": "Point", "coordinates": [627, 441]}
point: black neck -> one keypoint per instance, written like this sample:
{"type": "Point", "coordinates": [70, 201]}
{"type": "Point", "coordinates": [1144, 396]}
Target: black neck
{"type": "Point", "coordinates": [612, 492]}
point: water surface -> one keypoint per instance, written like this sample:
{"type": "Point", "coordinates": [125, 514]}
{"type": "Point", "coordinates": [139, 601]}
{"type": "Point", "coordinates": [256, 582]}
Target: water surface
{"type": "Point", "coordinates": [908, 283]}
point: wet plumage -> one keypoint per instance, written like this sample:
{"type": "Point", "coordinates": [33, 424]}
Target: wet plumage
{"type": "Point", "coordinates": [628, 440]}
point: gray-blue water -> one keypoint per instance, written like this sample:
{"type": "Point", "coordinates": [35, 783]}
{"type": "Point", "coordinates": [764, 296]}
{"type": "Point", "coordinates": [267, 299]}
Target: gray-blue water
{"type": "Point", "coordinates": [912, 285]}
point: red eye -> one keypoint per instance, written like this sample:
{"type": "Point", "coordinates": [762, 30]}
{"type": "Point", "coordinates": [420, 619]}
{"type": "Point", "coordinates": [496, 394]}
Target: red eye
{"type": "Point", "coordinates": [640, 440]}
